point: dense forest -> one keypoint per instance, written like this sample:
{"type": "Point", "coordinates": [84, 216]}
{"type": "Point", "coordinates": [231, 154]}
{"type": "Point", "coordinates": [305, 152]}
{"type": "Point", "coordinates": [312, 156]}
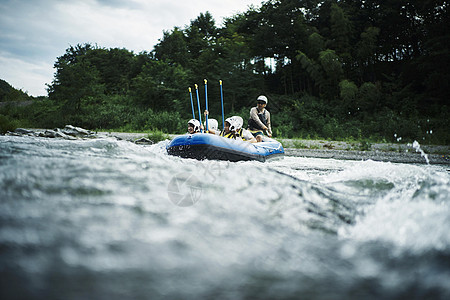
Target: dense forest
{"type": "Point", "coordinates": [361, 69]}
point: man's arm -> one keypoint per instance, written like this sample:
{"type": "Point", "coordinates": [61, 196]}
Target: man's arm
{"type": "Point", "coordinates": [269, 126]}
{"type": "Point", "coordinates": [254, 116]}
{"type": "Point", "coordinates": [248, 136]}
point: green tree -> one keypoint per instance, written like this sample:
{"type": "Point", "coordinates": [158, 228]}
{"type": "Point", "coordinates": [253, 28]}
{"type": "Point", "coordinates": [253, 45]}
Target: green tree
{"type": "Point", "coordinates": [172, 48]}
{"type": "Point", "coordinates": [160, 86]}
{"type": "Point", "coordinates": [115, 68]}
{"type": "Point", "coordinates": [341, 32]}
{"type": "Point", "coordinates": [314, 71]}
{"type": "Point", "coordinates": [326, 72]}
{"type": "Point", "coordinates": [75, 78]}
{"type": "Point", "coordinates": [365, 53]}
{"type": "Point", "coordinates": [348, 94]}
{"type": "Point", "coordinates": [8, 93]}
{"type": "Point", "coordinates": [201, 34]}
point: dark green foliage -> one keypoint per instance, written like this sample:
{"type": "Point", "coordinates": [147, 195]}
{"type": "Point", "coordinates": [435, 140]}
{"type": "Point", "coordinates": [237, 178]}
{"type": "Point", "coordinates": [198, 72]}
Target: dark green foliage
{"type": "Point", "coordinates": [8, 93]}
{"type": "Point", "coordinates": [172, 48]}
{"type": "Point", "coordinates": [331, 69]}
{"type": "Point", "coordinates": [158, 85]}
{"type": "Point", "coordinates": [8, 123]}
{"type": "Point", "coordinates": [157, 136]}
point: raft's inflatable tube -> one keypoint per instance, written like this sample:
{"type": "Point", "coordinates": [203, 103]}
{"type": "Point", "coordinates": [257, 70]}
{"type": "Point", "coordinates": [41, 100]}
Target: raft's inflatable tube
{"type": "Point", "coordinates": [208, 146]}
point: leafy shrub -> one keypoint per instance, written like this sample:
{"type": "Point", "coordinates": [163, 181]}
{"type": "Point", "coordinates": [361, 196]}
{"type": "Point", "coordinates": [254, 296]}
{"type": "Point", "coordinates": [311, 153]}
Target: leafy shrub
{"type": "Point", "coordinates": [6, 124]}
{"type": "Point", "coordinates": [348, 90]}
{"type": "Point", "coordinates": [157, 136]}
{"type": "Point", "coordinates": [365, 146]}
{"type": "Point", "coordinates": [168, 122]}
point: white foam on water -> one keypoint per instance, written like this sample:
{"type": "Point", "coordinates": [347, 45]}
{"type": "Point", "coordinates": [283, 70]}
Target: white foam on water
{"type": "Point", "coordinates": [413, 215]}
{"type": "Point", "coordinates": [416, 146]}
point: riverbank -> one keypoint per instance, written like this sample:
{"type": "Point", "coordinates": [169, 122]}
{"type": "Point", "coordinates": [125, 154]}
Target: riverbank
{"type": "Point", "coordinates": [386, 152]}
{"type": "Point", "coordinates": [394, 157]}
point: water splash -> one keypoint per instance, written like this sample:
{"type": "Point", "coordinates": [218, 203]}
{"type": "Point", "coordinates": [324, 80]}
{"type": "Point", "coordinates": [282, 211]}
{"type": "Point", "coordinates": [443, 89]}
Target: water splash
{"type": "Point", "coordinates": [397, 138]}
{"type": "Point", "coordinates": [416, 146]}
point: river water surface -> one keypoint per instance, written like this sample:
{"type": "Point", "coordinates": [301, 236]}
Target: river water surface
{"type": "Point", "coordinates": [105, 219]}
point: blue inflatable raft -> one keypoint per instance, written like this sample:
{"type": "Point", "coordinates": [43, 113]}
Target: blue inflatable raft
{"type": "Point", "coordinates": [208, 146]}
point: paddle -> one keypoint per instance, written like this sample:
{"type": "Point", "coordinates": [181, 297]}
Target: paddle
{"type": "Point", "coordinates": [221, 99]}
{"type": "Point", "coordinates": [199, 109]}
{"type": "Point", "coordinates": [192, 103]}
{"type": "Point", "coordinates": [206, 103]}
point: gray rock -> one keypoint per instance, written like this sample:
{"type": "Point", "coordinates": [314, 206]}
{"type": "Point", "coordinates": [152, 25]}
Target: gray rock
{"type": "Point", "coordinates": [144, 141]}
{"type": "Point", "coordinates": [61, 134]}
{"type": "Point", "coordinates": [13, 133]}
{"type": "Point", "coordinates": [47, 133]}
{"type": "Point", "coordinates": [23, 131]}
{"type": "Point", "coordinates": [57, 133]}
{"type": "Point", "coordinates": [69, 132]}
{"type": "Point", "coordinates": [76, 131]}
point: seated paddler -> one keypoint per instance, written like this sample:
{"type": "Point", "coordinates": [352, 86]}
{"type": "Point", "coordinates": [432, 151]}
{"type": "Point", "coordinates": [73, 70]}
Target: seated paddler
{"type": "Point", "coordinates": [213, 125]}
{"type": "Point", "coordinates": [259, 121]}
{"type": "Point", "coordinates": [193, 126]}
{"type": "Point", "coordinates": [233, 130]}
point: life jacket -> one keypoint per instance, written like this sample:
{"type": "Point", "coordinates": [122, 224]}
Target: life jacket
{"type": "Point", "coordinates": [252, 123]}
{"type": "Point", "coordinates": [240, 133]}
{"type": "Point", "coordinates": [233, 135]}
{"type": "Point", "coordinates": [229, 135]}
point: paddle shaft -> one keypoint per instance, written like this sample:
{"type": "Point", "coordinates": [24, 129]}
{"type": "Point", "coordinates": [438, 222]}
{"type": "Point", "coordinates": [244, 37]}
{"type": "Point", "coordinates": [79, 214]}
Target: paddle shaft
{"type": "Point", "coordinates": [198, 103]}
{"type": "Point", "coordinates": [221, 100]}
{"type": "Point", "coordinates": [206, 103]}
{"type": "Point", "coordinates": [192, 103]}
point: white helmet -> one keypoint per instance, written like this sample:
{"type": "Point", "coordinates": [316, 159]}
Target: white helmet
{"type": "Point", "coordinates": [232, 122]}
{"type": "Point", "coordinates": [236, 122]}
{"type": "Point", "coordinates": [239, 122]}
{"type": "Point", "coordinates": [262, 98]}
{"type": "Point", "coordinates": [195, 123]}
{"type": "Point", "coordinates": [212, 124]}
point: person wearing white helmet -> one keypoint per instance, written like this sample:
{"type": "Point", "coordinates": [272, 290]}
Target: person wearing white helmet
{"type": "Point", "coordinates": [193, 126]}
{"type": "Point", "coordinates": [259, 121]}
{"type": "Point", "coordinates": [229, 128]}
{"type": "Point", "coordinates": [242, 133]}
{"type": "Point", "coordinates": [233, 130]}
{"type": "Point", "coordinates": [213, 125]}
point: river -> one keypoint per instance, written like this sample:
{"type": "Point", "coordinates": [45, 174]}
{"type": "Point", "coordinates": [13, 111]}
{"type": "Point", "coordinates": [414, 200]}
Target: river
{"type": "Point", "coordinates": [102, 218]}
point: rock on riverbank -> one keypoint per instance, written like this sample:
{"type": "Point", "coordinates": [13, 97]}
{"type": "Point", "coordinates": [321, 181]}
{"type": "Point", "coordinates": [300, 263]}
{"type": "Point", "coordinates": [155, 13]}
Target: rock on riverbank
{"type": "Point", "coordinates": [69, 132]}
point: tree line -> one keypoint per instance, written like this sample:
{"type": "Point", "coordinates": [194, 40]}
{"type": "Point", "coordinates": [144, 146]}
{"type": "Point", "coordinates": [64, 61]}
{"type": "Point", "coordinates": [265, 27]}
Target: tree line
{"type": "Point", "coordinates": [331, 69]}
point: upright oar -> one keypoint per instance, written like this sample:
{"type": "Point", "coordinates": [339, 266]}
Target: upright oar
{"type": "Point", "coordinates": [198, 103]}
{"type": "Point", "coordinates": [192, 103]}
{"type": "Point", "coordinates": [221, 99]}
{"type": "Point", "coordinates": [206, 104]}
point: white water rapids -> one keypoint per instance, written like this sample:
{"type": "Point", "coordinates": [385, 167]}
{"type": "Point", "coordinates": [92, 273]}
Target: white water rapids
{"type": "Point", "coordinates": [103, 218]}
